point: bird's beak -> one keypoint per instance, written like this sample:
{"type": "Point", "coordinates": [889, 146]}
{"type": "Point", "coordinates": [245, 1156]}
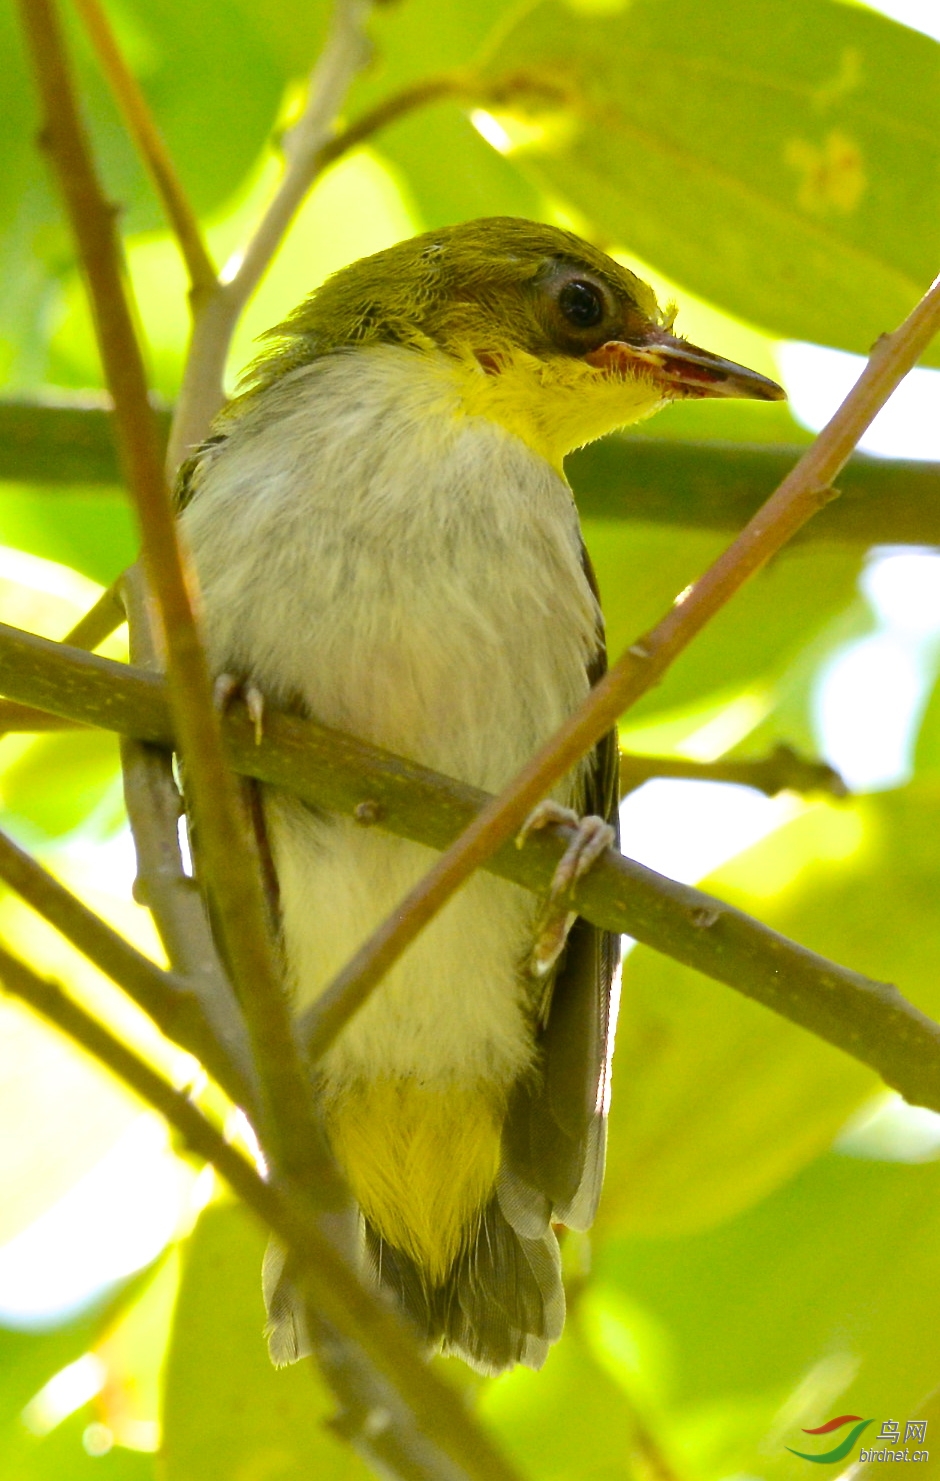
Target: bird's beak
{"type": "Point", "coordinates": [683, 370]}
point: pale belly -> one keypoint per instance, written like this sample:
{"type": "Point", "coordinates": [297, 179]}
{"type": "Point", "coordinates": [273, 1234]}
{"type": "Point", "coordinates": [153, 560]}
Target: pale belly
{"type": "Point", "coordinates": [449, 621]}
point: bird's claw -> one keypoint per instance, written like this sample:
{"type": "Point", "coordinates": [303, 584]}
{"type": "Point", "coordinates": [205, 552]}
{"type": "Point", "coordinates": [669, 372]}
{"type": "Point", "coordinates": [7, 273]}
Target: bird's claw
{"type": "Point", "coordinates": [593, 837]}
{"type": "Point", "coordinates": [228, 687]}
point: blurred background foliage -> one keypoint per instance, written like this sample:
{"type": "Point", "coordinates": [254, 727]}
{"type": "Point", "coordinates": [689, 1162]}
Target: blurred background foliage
{"type": "Point", "coordinates": [766, 1254]}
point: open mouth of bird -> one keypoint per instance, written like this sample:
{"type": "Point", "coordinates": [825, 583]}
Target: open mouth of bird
{"type": "Point", "coordinates": [683, 370]}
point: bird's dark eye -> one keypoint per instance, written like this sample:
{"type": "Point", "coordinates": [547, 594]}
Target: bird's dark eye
{"type": "Point", "coordinates": [582, 304]}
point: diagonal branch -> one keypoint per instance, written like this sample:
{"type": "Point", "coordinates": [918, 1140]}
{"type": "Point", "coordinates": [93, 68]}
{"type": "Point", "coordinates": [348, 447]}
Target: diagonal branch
{"type": "Point", "coordinates": [801, 494]}
{"type": "Point", "coordinates": [154, 806]}
{"type": "Point", "coordinates": [228, 846]}
{"type": "Point", "coordinates": [339, 773]}
{"type": "Point", "coordinates": [165, 997]}
{"type": "Point", "coordinates": [438, 1411]}
{"type": "Point", "coordinates": [782, 770]}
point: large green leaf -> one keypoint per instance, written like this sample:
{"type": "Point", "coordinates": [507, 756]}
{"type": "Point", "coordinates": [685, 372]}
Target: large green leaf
{"type": "Point", "coordinates": [821, 1301]}
{"type": "Point", "coordinates": [716, 1100]}
{"type": "Point", "coordinates": [568, 1421]}
{"type": "Point", "coordinates": [214, 75]}
{"type": "Point", "coordinates": [641, 569]}
{"type": "Point", "coordinates": [781, 160]}
{"type": "Point", "coordinates": [424, 148]}
{"type": "Point", "coordinates": [227, 1411]}
{"type": "Point", "coordinates": [27, 1362]}
{"type": "Point", "coordinates": [92, 530]}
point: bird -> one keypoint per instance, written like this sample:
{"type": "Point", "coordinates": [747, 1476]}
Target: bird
{"type": "Point", "coordinates": [385, 540]}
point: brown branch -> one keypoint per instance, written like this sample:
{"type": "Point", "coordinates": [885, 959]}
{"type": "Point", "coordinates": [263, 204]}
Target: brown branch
{"type": "Point", "coordinates": [398, 1449]}
{"type": "Point", "coordinates": [695, 484]}
{"type": "Point", "coordinates": [154, 807]}
{"type": "Point", "coordinates": [457, 84]}
{"type": "Point", "coordinates": [166, 997]}
{"type": "Point", "coordinates": [98, 623]}
{"type": "Point", "coordinates": [201, 394]}
{"type": "Point", "coordinates": [783, 770]}
{"type": "Point", "coordinates": [145, 134]}
{"type": "Point", "coordinates": [333, 1287]}
{"type": "Point", "coordinates": [803, 492]}
{"type": "Point", "coordinates": [342, 774]}
{"type": "Point", "coordinates": [16, 719]}
{"type": "Point", "coordinates": [288, 1126]}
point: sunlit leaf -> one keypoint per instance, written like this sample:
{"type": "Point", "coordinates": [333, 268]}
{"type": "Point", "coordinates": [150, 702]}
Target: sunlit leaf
{"type": "Point", "coordinates": [781, 160]}
{"type": "Point", "coordinates": [227, 1410]}
{"type": "Point", "coordinates": [818, 1302]}
{"type": "Point", "coordinates": [641, 569]}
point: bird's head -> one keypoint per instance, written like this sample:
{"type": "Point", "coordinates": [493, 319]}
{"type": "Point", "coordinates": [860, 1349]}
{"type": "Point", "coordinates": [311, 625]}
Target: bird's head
{"type": "Point", "coordinates": [551, 337]}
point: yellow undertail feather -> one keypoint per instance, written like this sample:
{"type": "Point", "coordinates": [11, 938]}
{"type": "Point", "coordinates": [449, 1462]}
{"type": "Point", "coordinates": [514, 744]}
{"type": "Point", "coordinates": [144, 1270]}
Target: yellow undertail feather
{"type": "Point", "coordinates": [421, 1163]}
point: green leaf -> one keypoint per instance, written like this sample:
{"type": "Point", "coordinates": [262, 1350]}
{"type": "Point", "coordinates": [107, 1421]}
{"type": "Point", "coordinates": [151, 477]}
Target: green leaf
{"type": "Point", "coordinates": [214, 76]}
{"type": "Point", "coordinates": [28, 1360]}
{"type": "Point", "coordinates": [228, 1412]}
{"type": "Point", "coordinates": [569, 1420]}
{"type": "Point", "coordinates": [62, 1454]}
{"type": "Point", "coordinates": [927, 752]}
{"type": "Point", "coordinates": [780, 160]}
{"type": "Point", "coordinates": [716, 1100]}
{"type": "Point", "coordinates": [91, 530]}
{"type": "Point", "coordinates": [60, 779]}
{"type": "Point", "coordinates": [820, 1301]}
{"type": "Point", "coordinates": [424, 147]}
{"type": "Point", "coordinates": [642, 568]}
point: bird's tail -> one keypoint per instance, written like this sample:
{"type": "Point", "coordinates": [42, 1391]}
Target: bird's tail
{"type": "Point", "coordinates": [501, 1303]}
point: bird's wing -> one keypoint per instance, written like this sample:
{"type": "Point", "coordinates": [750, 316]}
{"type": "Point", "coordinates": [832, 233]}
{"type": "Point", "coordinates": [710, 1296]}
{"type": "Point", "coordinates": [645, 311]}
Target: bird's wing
{"type": "Point", "coordinates": [555, 1131]}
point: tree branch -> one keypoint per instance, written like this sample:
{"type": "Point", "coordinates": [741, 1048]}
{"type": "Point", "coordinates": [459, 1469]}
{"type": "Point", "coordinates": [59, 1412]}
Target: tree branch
{"type": "Point", "coordinates": [711, 484]}
{"type": "Point", "coordinates": [438, 1411]}
{"type": "Point", "coordinates": [166, 997]}
{"type": "Point", "coordinates": [228, 847]}
{"type": "Point", "coordinates": [783, 770]}
{"type": "Point", "coordinates": [202, 395]}
{"type": "Point", "coordinates": [803, 492]}
{"type": "Point", "coordinates": [339, 773]}
{"type": "Point", "coordinates": [154, 807]}
{"type": "Point", "coordinates": [145, 134]}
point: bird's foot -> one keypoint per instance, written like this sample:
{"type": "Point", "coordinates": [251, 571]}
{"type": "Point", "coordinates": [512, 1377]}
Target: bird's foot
{"type": "Point", "coordinates": [228, 687]}
{"type": "Point", "coordinates": [593, 837]}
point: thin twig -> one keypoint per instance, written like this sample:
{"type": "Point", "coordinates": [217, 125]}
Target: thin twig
{"type": "Point", "coordinates": [801, 494]}
{"type": "Point", "coordinates": [397, 1449]}
{"type": "Point", "coordinates": [166, 997]}
{"type": "Point", "coordinates": [143, 130]}
{"type": "Point", "coordinates": [201, 395]}
{"type": "Point", "coordinates": [342, 774]}
{"type": "Point", "coordinates": [154, 808]}
{"type": "Point", "coordinates": [228, 847]}
{"type": "Point", "coordinates": [336, 1291]}
{"type": "Point", "coordinates": [98, 623]}
{"type": "Point", "coordinates": [783, 770]}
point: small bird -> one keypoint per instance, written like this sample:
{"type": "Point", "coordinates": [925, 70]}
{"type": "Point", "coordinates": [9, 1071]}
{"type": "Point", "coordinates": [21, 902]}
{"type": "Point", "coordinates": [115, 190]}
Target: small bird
{"type": "Point", "coordinates": [385, 541]}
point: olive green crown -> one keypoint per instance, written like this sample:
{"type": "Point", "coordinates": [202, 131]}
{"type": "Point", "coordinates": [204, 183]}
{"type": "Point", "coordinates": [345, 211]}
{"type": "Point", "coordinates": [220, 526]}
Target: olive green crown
{"type": "Point", "coordinates": [470, 285]}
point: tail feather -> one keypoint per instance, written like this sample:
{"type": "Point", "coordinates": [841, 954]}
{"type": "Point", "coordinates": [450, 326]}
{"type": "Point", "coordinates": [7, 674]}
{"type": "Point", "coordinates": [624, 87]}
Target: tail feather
{"type": "Point", "coordinates": [501, 1303]}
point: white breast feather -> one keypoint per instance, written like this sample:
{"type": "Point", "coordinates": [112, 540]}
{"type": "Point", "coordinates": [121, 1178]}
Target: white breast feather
{"type": "Point", "coordinates": [412, 575]}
